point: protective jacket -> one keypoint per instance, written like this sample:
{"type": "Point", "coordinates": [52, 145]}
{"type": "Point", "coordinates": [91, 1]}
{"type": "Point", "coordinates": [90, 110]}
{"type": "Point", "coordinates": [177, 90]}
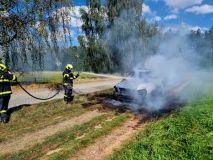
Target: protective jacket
{"type": "Point", "coordinates": [5, 78]}
{"type": "Point", "coordinates": [68, 77]}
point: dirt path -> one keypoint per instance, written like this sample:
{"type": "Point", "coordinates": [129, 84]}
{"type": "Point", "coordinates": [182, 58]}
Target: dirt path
{"type": "Point", "coordinates": [29, 140]}
{"type": "Point", "coordinates": [104, 146]}
{"type": "Point", "coordinates": [22, 98]}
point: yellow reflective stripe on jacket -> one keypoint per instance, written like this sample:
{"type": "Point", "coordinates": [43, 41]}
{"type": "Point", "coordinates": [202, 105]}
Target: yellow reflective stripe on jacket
{"type": "Point", "coordinates": [14, 77]}
{"type": "Point", "coordinates": [6, 92]}
{"type": "Point", "coordinates": [4, 80]}
{"type": "Point", "coordinates": [3, 111]}
{"type": "Point", "coordinates": [66, 75]}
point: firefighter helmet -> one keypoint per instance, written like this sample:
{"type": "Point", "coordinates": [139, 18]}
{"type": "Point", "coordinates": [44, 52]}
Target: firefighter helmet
{"type": "Point", "coordinates": [69, 66]}
{"type": "Point", "coordinates": [3, 67]}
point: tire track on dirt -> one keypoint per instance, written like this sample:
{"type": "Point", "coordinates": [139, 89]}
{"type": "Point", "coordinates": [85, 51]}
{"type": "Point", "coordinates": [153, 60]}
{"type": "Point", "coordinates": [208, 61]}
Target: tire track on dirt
{"type": "Point", "coordinates": [29, 140]}
{"type": "Point", "coordinates": [105, 146]}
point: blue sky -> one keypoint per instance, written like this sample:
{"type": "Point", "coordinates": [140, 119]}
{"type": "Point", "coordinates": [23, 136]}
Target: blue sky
{"type": "Point", "coordinates": [192, 14]}
{"type": "Point", "coordinates": [195, 13]}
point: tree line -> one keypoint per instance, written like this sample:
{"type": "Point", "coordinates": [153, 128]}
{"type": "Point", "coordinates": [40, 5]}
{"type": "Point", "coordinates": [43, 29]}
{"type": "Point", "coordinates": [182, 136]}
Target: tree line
{"type": "Point", "coordinates": [202, 42]}
{"type": "Point", "coordinates": [116, 34]}
{"type": "Point", "coordinates": [112, 33]}
{"type": "Point", "coordinates": [31, 28]}
{"type": "Point", "coordinates": [117, 37]}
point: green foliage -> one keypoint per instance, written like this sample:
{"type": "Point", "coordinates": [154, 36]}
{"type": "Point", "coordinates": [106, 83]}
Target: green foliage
{"type": "Point", "coordinates": [120, 34]}
{"type": "Point", "coordinates": [113, 34]}
{"type": "Point", "coordinates": [73, 55]}
{"type": "Point", "coordinates": [116, 7]}
{"type": "Point", "coordinates": [182, 135]}
{"type": "Point", "coordinates": [116, 34]}
{"type": "Point", "coordinates": [28, 27]}
{"type": "Point", "coordinates": [96, 58]}
{"type": "Point", "coordinates": [203, 44]}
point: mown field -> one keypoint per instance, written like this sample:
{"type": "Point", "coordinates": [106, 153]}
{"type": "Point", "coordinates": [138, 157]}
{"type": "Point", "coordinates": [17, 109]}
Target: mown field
{"type": "Point", "coordinates": [53, 77]}
{"type": "Point", "coordinates": [28, 120]}
{"type": "Point", "coordinates": [185, 134]}
{"type": "Point", "coordinates": [56, 131]}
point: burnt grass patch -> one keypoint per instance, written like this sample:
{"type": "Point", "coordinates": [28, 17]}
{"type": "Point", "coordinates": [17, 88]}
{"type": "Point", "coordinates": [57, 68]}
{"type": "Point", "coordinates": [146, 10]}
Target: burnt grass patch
{"type": "Point", "coordinates": [105, 100]}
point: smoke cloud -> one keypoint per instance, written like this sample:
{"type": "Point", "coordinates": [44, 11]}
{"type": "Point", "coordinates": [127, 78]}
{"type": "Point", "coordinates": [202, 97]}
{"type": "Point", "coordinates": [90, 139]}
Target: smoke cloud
{"type": "Point", "coordinates": [176, 71]}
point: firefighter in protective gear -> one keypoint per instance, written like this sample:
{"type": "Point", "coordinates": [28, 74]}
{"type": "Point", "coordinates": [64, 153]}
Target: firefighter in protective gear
{"type": "Point", "coordinates": [5, 91]}
{"type": "Point", "coordinates": [68, 77]}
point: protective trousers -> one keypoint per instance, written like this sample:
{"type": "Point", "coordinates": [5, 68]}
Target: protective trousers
{"type": "Point", "coordinates": [68, 93]}
{"type": "Point", "coordinates": [4, 101]}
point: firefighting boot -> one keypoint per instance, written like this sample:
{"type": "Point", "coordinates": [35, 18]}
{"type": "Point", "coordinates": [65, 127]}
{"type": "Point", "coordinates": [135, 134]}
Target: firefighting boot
{"type": "Point", "coordinates": [65, 99]}
{"type": "Point", "coordinates": [4, 117]}
{"type": "Point", "coordinates": [70, 99]}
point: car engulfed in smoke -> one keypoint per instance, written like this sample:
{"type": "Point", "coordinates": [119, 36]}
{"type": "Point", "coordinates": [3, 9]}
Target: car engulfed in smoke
{"type": "Point", "coordinates": [137, 87]}
{"type": "Point", "coordinates": [149, 91]}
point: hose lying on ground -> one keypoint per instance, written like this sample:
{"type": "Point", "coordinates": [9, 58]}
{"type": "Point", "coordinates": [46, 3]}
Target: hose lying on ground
{"type": "Point", "coordinates": [38, 97]}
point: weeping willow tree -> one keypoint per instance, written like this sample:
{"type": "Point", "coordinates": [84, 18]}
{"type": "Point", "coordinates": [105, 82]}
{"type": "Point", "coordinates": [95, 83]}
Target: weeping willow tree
{"type": "Point", "coordinates": [30, 29]}
{"type": "Point", "coordinates": [94, 19]}
{"type": "Point", "coordinates": [128, 34]}
{"type": "Point", "coordinates": [123, 34]}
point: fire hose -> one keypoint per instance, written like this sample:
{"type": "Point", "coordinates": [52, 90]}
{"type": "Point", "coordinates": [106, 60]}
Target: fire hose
{"type": "Point", "coordinates": [38, 97]}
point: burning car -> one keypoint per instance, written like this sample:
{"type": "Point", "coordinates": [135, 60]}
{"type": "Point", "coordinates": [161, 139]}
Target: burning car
{"type": "Point", "coordinates": [137, 87]}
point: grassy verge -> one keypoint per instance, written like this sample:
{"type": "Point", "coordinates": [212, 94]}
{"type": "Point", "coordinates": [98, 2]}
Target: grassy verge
{"type": "Point", "coordinates": [186, 134]}
{"type": "Point", "coordinates": [68, 142]}
{"type": "Point", "coordinates": [70, 148]}
{"type": "Point", "coordinates": [52, 77]}
{"type": "Point", "coordinates": [28, 119]}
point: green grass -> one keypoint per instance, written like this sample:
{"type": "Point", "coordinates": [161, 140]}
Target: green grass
{"type": "Point", "coordinates": [51, 77]}
{"type": "Point", "coordinates": [32, 118]}
{"type": "Point", "coordinates": [29, 119]}
{"type": "Point", "coordinates": [70, 148]}
{"type": "Point", "coordinates": [185, 134]}
{"type": "Point", "coordinates": [68, 140]}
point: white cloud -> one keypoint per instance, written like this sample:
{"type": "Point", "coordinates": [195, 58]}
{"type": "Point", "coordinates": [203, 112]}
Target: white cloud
{"type": "Point", "coordinates": [181, 4]}
{"type": "Point", "coordinates": [183, 28]}
{"type": "Point", "coordinates": [146, 9]}
{"type": "Point", "coordinates": [72, 15]}
{"type": "Point", "coordinates": [72, 20]}
{"type": "Point", "coordinates": [157, 18]}
{"type": "Point", "coordinates": [76, 10]}
{"type": "Point", "coordinates": [202, 9]}
{"type": "Point", "coordinates": [195, 28]}
{"type": "Point", "coordinates": [171, 16]}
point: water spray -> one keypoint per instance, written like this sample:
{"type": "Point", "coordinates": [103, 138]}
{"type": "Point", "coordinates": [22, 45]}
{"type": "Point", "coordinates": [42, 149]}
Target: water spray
{"type": "Point", "coordinates": [77, 59]}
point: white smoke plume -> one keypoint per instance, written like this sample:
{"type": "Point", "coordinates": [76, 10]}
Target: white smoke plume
{"type": "Point", "coordinates": [175, 65]}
